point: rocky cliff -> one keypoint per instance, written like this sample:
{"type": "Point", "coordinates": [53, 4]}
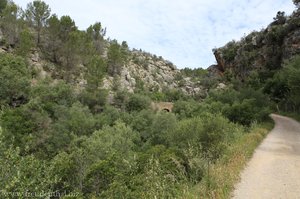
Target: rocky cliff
{"type": "Point", "coordinates": [261, 51]}
{"type": "Point", "coordinates": [153, 74]}
{"type": "Point", "coordinates": [142, 71]}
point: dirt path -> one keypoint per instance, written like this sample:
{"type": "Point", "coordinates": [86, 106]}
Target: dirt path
{"type": "Point", "coordinates": [274, 170]}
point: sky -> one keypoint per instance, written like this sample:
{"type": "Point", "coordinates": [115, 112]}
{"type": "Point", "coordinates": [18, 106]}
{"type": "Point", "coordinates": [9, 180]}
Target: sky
{"type": "Point", "coordinates": [181, 31]}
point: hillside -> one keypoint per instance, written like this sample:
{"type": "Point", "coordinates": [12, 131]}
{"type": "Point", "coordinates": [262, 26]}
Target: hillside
{"type": "Point", "coordinates": [263, 51]}
{"type": "Point", "coordinates": [267, 60]}
{"type": "Point", "coordinates": [79, 115]}
{"type": "Point", "coordinates": [55, 48]}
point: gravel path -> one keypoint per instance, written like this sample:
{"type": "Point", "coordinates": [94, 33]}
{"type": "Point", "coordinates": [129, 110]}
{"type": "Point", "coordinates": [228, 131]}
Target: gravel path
{"type": "Point", "coordinates": [274, 170]}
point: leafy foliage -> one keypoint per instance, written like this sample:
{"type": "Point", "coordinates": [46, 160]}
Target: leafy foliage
{"type": "Point", "coordinates": [3, 4]}
{"type": "Point", "coordinates": [37, 13]}
{"type": "Point", "coordinates": [10, 23]}
{"type": "Point", "coordinates": [117, 57]}
{"type": "Point", "coordinates": [63, 133]}
{"type": "Point", "coordinates": [137, 102]}
{"type": "Point", "coordinates": [14, 80]}
{"type": "Point", "coordinates": [26, 43]}
{"type": "Point", "coordinates": [230, 51]}
{"type": "Point", "coordinates": [283, 87]}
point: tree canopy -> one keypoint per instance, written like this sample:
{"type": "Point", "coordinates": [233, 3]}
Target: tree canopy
{"type": "Point", "coordinates": [37, 13]}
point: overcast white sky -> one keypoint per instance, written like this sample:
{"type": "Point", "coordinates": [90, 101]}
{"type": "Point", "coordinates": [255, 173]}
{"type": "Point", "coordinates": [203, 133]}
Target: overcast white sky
{"type": "Point", "coordinates": [182, 31]}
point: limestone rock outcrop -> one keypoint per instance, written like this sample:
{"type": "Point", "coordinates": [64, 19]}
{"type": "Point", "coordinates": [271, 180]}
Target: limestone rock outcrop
{"type": "Point", "coordinates": [151, 73]}
{"type": "Point", "coordinates": [260, 51]}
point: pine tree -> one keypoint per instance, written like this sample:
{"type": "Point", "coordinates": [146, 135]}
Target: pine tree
{"type": "Point", "coordinates": [37, 14]}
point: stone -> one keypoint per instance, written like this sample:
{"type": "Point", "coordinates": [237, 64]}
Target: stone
{"type": "Point", "coordinates": [35, 57]}
{"type": "Point", "coordinates": [221, 86]}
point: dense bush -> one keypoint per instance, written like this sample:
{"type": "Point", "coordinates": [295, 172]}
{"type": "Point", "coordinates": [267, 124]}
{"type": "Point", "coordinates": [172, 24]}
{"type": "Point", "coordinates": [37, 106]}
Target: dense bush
{"type": "Point", "coordinates": [208, 133]}
{"type": "Point", "coordinates": [66, 136]}
{"type": "Point", "coordinates": [162, 124]}
{"type": "Point", "coordinates": [50, 94]}
{"type": "Point", "coordinates": [137, 102]}
{"type": "Point", "coordinates": [244, 106]}
{"type": "Point", "coordinates": [283, 87]}
{"type": "Point", "coordinates": [188, 109]}
{"type": "Point", "coordinates": [245, 112]}
{"type": "Point", "coordinates": [230, 51]}
{"type": "Point", "coordinates": [14, 80]}
{"type": "Point", "coordinates": [22, 175]}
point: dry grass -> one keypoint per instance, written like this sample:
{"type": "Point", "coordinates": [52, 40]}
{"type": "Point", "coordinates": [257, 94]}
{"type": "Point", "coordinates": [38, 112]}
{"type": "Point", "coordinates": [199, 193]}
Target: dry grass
{"type": "Point", "coordinates": [225, 173]}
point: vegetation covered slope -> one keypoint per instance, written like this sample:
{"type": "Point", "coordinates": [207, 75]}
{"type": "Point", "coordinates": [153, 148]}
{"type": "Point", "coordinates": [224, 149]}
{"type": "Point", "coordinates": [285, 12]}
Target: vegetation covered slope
{"type": "Point", "coordinates": [267, 59]}
{"type": "Point", "coordinates": [70, 129]}
{"type": "Point", "coordinates": [59, 49]}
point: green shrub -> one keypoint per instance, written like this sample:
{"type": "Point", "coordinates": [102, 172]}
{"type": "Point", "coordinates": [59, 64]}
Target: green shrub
{"type": "Point", "coordinates": [164, 171]}
{"type": "Point", "coordinates": [26, 127]}
{"type": "Point", "coordinates": [186, 109]}
{"type": "Point", "coordinates": [51, 94]}
{"type": "Point", "coordinates": [23, 174]}
{"type": "Point", "coordinates": [207, 132]}
{"type": "Point", "coordinates": [230, 51]}
{"type": "Point", "coordinates": [243, 113]}
{"type": "Point", "coordinates": [244, 106]}
{"type": "Point", "coordinates": [14, 80]}
{"type": "Point", "coordinates": [142, 123]}
{"type": "Point", "coordinates": [283, 88]}
{"type": "Point", "coordinates": [95, 100]}
{"type": "Point", "coordinates": [108, 116]}
{"type": "Point", "coordinates": [163, 123]}
{"type": "Point", "coordinates": [138, 102]}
